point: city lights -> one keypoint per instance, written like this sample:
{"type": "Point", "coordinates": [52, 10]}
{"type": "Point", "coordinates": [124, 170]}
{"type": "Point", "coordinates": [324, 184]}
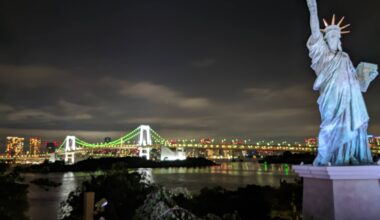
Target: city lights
{"type": "Point", "coordinates": [35, 146]}
{"type": "Point", "coordinates": [142, 140]}
{"type": "Point", "coordinates": [15, 146]}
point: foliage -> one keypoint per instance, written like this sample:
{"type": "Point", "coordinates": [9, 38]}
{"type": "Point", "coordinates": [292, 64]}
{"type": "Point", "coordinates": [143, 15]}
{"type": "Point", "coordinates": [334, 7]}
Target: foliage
{"type": "Point", "coordinates": [160, 205]}
{"type": "Point", "coordinates": [124, 191]}
{"type": "Point", "coordinates": [250, 202]}
{"type": "Point", "coordinates": [13, 196]}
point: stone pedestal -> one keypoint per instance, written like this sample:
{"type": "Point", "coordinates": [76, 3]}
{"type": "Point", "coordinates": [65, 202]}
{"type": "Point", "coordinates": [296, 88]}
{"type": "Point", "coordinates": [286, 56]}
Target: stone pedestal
{"type": "Point", "coordinates": [340, 193]}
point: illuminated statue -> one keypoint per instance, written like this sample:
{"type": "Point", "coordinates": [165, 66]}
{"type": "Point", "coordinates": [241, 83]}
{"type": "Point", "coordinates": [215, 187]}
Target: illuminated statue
{"type": "Point", "coordinates": [343, 137]}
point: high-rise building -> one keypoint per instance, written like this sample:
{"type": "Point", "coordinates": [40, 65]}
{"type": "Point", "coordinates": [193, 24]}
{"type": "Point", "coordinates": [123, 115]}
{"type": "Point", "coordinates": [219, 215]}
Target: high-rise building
{"type": "Point", "coordinates": [35, 145]}
{"type": "Point", "coordinates": [15, 146]}
{"type": "Point", "coordinates": [373, 140]}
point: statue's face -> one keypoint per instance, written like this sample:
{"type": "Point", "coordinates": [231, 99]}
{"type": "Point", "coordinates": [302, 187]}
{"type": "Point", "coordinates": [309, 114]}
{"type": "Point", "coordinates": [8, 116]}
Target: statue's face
{"type": "Point", "coordinates": [333, 40]}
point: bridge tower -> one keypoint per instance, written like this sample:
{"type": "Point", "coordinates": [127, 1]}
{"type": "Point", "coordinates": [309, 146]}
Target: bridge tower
{"type": "Point", "coordinates": [145, 140]}
{"type": "Point", "coordinates": [145, 136]}
{"type": "Point", "coordinates": [70, 147]}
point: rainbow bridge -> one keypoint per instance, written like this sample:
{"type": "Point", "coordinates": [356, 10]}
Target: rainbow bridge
{"type": "Point", "coordinates": [143, 140]}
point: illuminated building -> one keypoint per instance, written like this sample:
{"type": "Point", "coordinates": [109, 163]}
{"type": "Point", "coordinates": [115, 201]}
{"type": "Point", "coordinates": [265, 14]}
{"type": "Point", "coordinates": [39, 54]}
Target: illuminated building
{"type": "Point", "coordinates": [35, 145]}
{"type": "Point", "coordinates": [311, 142]}
{"type": "Point", "coordinates": [373, 140]}
{"type": "Point", "coordinates": [206, 141]}
{"type": "Point", "coordinates": [168, 154]}
{"type": "Point", "coordinates": [15, 146]}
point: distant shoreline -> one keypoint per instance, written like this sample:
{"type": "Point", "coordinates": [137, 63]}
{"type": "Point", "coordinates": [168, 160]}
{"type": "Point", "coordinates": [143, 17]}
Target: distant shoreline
{"type": "Point", "coordinates": [289, 158]}
{"type": "Point", "coordinates": [112, 163]}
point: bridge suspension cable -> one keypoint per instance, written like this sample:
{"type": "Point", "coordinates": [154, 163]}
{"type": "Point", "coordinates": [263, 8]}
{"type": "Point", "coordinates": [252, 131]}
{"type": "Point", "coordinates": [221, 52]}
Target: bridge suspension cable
{"type": "Point", "coordinates": [128, 137]}
{"type": "Point", "coordinates": [119, 141]}
{"type": "Point", "coordinates": [157, 138]}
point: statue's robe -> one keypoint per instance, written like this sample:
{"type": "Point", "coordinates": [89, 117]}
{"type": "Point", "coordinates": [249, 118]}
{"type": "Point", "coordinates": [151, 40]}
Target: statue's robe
{"type": "Point", "coordinates": [343, 137]}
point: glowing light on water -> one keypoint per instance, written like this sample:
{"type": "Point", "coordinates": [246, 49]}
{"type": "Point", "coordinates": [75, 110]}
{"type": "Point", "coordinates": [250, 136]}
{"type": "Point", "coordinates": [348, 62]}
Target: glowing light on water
{"type": "Point", "coordinates": [286, 169]}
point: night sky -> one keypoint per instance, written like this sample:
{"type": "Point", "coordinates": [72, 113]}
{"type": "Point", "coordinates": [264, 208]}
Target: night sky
{"type": "Point", "coordinates": [189, 68]}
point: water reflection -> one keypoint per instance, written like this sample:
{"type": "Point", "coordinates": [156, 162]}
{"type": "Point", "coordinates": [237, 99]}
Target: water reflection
{"type": "Point", "coordinates": [69, 184]}
{"type": "Point", "coordinates": [45, 204]}
{"type": "Point", "coordinates": [227, 175]}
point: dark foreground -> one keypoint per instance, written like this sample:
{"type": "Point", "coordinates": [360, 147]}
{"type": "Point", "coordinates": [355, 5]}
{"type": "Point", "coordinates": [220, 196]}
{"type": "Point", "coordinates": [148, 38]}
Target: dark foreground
{"type": "Point", "coordinates": [130, 196]}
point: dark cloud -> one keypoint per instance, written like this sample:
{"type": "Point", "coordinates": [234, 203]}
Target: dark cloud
{"type": "Point", "coordinates": [204, 63]}
{"type": "Point", "coordinates": [190, 69]}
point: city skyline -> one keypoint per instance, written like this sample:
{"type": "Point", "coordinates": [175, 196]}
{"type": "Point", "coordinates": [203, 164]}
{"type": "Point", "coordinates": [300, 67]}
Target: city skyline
{"type": "Point", "coordinates": [41, 142]}
{"type": "Point", "coordinates": [190, 70]}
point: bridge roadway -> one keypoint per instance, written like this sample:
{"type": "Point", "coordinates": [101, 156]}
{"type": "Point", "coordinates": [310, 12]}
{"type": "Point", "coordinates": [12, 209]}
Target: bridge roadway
{"type": "Point", "coordinates": [131, 149]}
{"type": "Point", "coordinates": [247, 147]}
{"type": "Point", "coordinates": [276, 148]}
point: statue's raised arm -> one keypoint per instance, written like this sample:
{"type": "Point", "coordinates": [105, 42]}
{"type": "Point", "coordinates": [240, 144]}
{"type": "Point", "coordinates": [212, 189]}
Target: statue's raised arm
{"type": "Point", "coordinates": [314, 20]}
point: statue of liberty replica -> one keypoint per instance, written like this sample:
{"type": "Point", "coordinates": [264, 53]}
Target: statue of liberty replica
{"type": "Point", "coordinates": [342, 139]}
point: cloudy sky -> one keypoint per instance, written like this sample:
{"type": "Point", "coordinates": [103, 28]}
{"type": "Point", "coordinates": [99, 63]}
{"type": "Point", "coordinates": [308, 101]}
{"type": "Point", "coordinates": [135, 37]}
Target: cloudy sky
{"type": "Point", "coordinates": [189, 68]}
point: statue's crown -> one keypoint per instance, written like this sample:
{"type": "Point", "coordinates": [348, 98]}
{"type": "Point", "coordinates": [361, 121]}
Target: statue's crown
{"type": "Point", "coordinates": [335, 27]}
